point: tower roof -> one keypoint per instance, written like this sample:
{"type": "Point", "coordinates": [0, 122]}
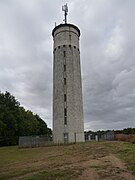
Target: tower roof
{"type": "Point", "coordinates": [63, 25]}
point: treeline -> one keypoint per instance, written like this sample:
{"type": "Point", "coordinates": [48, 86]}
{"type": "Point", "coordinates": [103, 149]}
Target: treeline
{"type": "Point", "coordinates": [15, 121]}
{"type": "Point", "coordinates": [127, 131]}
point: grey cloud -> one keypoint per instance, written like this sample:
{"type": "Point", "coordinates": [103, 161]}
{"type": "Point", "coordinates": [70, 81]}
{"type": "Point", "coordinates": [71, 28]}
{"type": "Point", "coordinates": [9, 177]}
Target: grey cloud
{"type": "Point", "coordinates": [107, 57]}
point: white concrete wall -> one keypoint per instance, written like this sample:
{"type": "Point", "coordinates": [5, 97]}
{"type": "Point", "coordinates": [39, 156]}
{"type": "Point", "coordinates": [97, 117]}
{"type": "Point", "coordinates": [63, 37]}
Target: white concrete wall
{"type": "Point", "coordinates": [66, 35]}
{"type": "Point", "coordinates": [66, 38]}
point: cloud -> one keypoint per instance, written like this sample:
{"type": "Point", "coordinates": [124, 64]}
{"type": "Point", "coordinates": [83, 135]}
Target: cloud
{"type": "Point", "coordinates": [107, 57]}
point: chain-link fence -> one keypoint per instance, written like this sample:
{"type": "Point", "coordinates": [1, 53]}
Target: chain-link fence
{"type": "Point", "coordinates": [34, 141]}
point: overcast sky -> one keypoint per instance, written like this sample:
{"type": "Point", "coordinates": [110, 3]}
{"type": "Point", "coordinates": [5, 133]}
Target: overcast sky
{"type": "Point", "coordinates": [107, 47]}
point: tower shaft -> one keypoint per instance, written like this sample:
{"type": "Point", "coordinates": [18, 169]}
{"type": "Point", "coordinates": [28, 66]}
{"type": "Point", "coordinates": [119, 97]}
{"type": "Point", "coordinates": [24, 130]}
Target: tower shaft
{"type": "Point", "coordinates": [68, 125]}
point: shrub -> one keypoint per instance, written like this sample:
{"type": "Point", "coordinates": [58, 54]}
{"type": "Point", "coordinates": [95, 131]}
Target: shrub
{"type": "Point", "coordinates": [127, 138]}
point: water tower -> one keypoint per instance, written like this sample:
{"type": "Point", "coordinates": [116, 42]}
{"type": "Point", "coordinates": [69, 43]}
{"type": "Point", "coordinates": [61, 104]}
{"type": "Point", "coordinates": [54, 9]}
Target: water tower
{"type": "Point", "coordinates": [68, 124]}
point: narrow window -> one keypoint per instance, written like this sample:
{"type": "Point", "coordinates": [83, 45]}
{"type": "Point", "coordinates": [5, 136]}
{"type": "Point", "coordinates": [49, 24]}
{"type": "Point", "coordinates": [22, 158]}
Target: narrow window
{"type": "Point", "coordinates": [64, 81]}
{"type": "Point", "coordinates": [65, 112]}
{"type": "Point", "coordinates": [65, 97]}
{"type": "Point", "coordinates": [64, 53]}
{"type": "Point", "coordinates": [65, 120]}
{"type": "Point", "coordinates": [64, 67]}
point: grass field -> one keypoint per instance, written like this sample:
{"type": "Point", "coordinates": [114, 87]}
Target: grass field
{"type": "Point", "coordinates": [90, 160]}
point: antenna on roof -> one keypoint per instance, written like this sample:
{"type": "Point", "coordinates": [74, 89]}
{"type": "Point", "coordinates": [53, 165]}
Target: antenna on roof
{"type": "Point", "coordinates": [65, 9]}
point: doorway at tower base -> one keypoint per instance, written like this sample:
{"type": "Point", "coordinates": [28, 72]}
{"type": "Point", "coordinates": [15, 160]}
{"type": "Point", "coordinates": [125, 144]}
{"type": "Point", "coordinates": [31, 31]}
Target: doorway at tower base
{"type": "Point", "coordinates": [68, 137]}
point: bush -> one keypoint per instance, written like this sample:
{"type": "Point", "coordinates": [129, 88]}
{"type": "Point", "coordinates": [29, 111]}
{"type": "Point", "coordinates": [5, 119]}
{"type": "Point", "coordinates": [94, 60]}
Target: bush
{"type": "Point", "coordinates": [124, 137]}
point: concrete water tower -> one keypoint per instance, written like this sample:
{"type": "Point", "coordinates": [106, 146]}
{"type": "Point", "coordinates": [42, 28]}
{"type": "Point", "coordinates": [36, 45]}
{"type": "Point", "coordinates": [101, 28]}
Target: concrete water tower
{"type": "Point", "coordinates": [68, 124]}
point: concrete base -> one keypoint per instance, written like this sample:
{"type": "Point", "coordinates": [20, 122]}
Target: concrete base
{"type": "Point", "coordinates": [68, 138]}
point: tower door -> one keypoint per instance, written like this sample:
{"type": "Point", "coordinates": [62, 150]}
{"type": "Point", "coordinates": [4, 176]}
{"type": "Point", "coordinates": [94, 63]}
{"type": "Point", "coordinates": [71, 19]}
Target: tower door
{"type": "Point", "coordinates": [65, 138]}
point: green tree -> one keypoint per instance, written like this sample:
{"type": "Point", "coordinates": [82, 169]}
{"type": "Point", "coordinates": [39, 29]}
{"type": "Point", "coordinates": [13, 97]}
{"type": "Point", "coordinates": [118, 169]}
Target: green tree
{"type": "Point", "coordinates": [15, 121]}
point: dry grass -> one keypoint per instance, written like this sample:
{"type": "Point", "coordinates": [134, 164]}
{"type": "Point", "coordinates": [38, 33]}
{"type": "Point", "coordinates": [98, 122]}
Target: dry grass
{"type": "Point", "coordinates": [99, 160]}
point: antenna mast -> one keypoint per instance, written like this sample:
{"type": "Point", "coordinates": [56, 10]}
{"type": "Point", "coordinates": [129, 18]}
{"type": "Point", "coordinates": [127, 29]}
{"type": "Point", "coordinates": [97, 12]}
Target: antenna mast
{"type": "Point", "coordinates": [65, 9]}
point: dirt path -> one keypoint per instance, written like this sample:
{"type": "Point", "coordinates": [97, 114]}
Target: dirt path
{"type": "Point", "coordinates": [84, 161]}
{"type": "Point", "coordinates": [106, 168]}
